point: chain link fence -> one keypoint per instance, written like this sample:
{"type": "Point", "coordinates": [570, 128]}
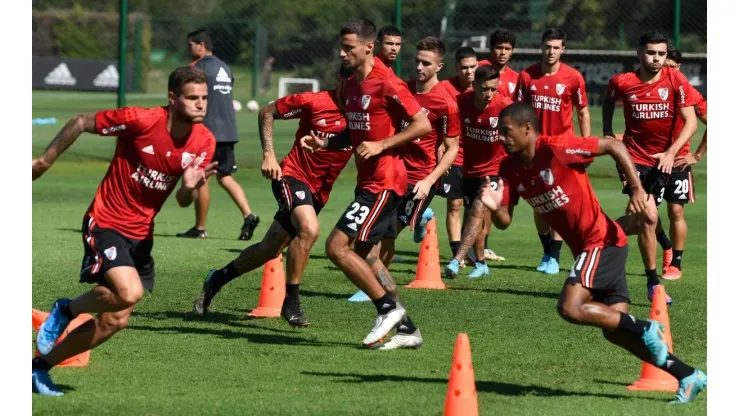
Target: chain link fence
{"type": "Point", "coordinates": [264, 41]}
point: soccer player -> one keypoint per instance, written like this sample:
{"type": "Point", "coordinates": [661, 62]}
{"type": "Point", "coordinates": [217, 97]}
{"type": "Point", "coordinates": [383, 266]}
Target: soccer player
{"type": "Point", "coordinates": [503, 42]}
{"type": "Point", "coordinates": [221, 121]}
{"type": "Point", "coordinates": [654, 97]}
{"type": "Point", "coordinates": [374, 97]}
{"type": "Point", "coordinates": [479, 115]}
{"type": "Point", "coordinates": [549, 172]}
{"type": "Point", "coordinates": [301, 184]}
{"type": "Point", "coordinates": [680, 186]}
{"type": "Point", "coordinates": [466, 63]}
{"type": "Point", "coordinates": [155, 148]}
{"type": "Point", "coordinates": [389, 38]}
{"type": "Point", "coordinates": [555, 90]}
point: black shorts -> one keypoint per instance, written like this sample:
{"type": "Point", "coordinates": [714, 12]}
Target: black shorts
{"type": "Point", "coordinates": [370, 217]}
{"type": "Point", "coordinates": [472, 187]}
{"type": "Point", "coordinates": [291, 193]}
{"type": "Point", "coordinates": [452, 184]}
{"type": "Point", "coordinates": [680, 187]}
{"type": "Point", "coordinates": [653, 181]}
{"type": "Point", "coordinates": [409, 211]}
{"type": "Point", "coordinates": [106, 249]}
{"type": "Point", "coordinates": [602, 271]}
{"type": "Point", "coordinates": [224, 155]}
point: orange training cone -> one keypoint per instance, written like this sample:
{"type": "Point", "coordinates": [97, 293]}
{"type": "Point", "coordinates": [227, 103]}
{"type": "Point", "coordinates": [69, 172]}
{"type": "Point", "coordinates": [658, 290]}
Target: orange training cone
{"type": "Point", "coordinates": [651, 377]}
{"type": "Point", "coordinates": [272, 293]}
{"type": "Point", "coordinates": [428, 272]}
{"type": "Point", "coordinates": [462, 399]}
{"type": "Point", "coordinates": [79, 360]}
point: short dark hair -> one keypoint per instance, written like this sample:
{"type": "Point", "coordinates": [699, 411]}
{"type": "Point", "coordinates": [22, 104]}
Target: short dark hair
{"type": "Point", "coordinates": [554, 34]}
{"type": "Point", "coordinates": [389, 30]}
{"type": "Point", "coordinates": [503, 36]}
{"type": "Point", "coordinates": [185, 75]}
{"type": "Point", "coordinates": [652, 37]}
{"type": "Point", "coordinates": [433, 44]}
{"type": "Point", "coordinates": [486, 73]}
{"type": "Point", "coordinates": [674, 54]}
{"type": "Point", "coordinates": [521, 112]}
{"type": "Point", "coordinates": [203, 36]}
{"type": "Point", "coordinates": [464, 53]}
{"type": "Point", "coordinates": [363, 28]}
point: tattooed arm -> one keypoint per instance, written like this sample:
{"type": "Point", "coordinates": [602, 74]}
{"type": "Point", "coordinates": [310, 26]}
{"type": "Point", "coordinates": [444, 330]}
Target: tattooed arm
{"type": "Point", "coordinates": [69, 133]}
{"type": "Point", "coordinates": [270, 167]}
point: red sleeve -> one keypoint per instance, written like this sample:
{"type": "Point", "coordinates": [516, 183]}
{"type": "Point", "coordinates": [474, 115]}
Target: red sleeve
{"type": "Point", "coordinates": [579, 97]}
{"type": "Point", "coordinates": [207, 149]}
{"type": "Point", "coordinates": [573, 150]}
{"type": "Point", "coordinates": [126, 121]}
{"type": "Point", "coordinates": [399, 101]}
{"type": "Point", "coordinates": [520, 86]}
{"type": "Point", "coordinates": [451, 121]}
{"type": "Point", "coordinates": [291, 106]}
{"type": "Point", "coordinates": [701, 108]}
{"type": "Point", "coordinates": [683, 90]}
{"type": "Point", "coordinates": [612, 90]}
{"type": "Point", "coordinates": [511, 195]}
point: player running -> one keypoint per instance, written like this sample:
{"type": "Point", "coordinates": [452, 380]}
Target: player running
{"type": "Point", "coordinates": [220, 120]}
{"type": "Point", "coordinates": [479, 115]}
{"type": "Point", "coordinates": [155, 148]}
{"type": "Point", "coordinates": [653, 97]}
{"type": "Point", "coordinates": [680, 186]}
{"type": "Point", "coordinates": [549, 172]}
{"type": "Point", "coordinates": [301, 184]}
{"type": "Point", "coordinates": [555, 90]}
{"type": "Point", "coordinates": [374, 97]}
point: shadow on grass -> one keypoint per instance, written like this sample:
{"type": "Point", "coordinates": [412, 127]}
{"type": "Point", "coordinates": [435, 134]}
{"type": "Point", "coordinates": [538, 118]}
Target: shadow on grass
{"type": "Point", "coordinates": [548, 295]}
{"type": "Point", "coordinates": [505, 389]}
{"type": "Point", "coordinates": [236, 320]}
{"type": "Point", "coordinates": [79, 231]}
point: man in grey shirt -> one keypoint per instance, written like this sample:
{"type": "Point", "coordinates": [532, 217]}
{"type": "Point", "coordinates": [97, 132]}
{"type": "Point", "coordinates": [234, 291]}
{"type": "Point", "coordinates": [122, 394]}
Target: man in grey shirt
{"type": "Point", "coordinates": [221, 121]}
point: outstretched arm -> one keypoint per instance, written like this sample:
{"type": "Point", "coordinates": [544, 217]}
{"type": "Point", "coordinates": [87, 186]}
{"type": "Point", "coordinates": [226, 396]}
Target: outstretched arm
{"type": "Point", "coordinates": [69, 133]}
{"type": "Point", "coordinates": [421, 190]}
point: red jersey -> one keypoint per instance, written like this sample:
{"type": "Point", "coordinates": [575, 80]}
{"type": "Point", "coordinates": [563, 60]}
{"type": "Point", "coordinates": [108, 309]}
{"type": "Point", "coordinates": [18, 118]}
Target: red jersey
{"type": "Point", "coordinates": [420, 155]}
{"type": "Point", "coordinates": [452, 85]}
{"type": "Point", "coordinates": [701, 110]}
{"type": "Point", "coordinates": [507, 81]}
{"type": "Point", "coordinates": [650, 110]}
{"type": "Point", "coordinates": [145, 168]}
{"type": "Point", "coordinates": [556, 185]}
{"type": "Point", "coordinates": [317, 111]}
{"type": "Point", "coordinates": [370, 108]}
{"type": "Point", "coordinates": [480, 135]}
{"type": "Point", "coordinates": [553, 96]}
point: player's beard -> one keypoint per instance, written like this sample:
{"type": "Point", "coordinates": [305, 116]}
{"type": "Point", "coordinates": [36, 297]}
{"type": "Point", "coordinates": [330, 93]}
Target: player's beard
{"type": "Point", "coordinates": [652, 68]}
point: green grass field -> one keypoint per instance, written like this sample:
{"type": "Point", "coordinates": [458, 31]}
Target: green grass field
{"type": "Point", "coordinates": [527, 359]}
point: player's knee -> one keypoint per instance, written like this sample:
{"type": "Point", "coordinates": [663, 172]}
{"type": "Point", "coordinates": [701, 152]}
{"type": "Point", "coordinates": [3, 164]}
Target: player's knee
{"type": "Point", "coordinates": [309, 232]}
{"type": "Point", "coordinates": [130, 295]}
{"type": "Point", "coordinates": [334, 250]}
{"type": "Point", "coordinates": [675, 212]}
{"type": "Point", "coordinates": [114, 322]}
{"type": "Point", "coordinates": [222, 178]}
{"type": "Point", "coordinates": [650, 219]}
{"type": "Point", "coordinates": [455, 206]}
{"type": "Point", "coordinates": [569, 312]}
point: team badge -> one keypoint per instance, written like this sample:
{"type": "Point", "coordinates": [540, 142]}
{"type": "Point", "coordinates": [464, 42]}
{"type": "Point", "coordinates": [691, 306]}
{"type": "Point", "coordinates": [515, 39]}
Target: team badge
{"type": "Point", "coordinates": [111, 253]}
{"type": "Point", "coordinates": [365, 102]}
{"type": "Point", "coordinates": [546, 176]}
{"type": "Point", "coordinates": [494, 122]}
{"type": "Point", "coordinates": [560, 88]}
{"type": "Point", "coordinates": [301, 195]}
{"type": "Point", "coordinates": [187, 158]}
{"type": "Point", "coordinates": [447, 188]}
{"type": "Point", "coordinates": [512, 87]}
{"type": "Point", "coordinates": [663, 92]}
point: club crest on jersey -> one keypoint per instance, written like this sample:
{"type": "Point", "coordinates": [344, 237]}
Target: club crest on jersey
{"type": "Point", "coordinates": [512, 87]}
{"type": "Point", "coordinates": [447, 188]}
{"type": "Point", "coordinates": [111, 253]}
{"type": "Point", "coordinates": [187, 158]}
{"type": "Point", "coordinates": [493, 121]}
{"type": "Point", "coordinates": [663, 92]}
{"type": "Point", "coordinates": [560, 88]}
{"type": "Point", "coordinates": [301, 195]}
{"type": "Point", "coordinates": [365, 102]}
{"type": "Point", "coordinates": [546, 176]}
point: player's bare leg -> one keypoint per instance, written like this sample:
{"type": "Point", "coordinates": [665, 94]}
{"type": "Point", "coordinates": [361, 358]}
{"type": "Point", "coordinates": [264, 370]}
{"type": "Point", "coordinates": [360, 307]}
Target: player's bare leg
{"type": "Point", "coordinates": [665, 244]}
{"type": "Point", "coordinates": [252, 257]}
{"type": "Point", "coordinates": [201, 202]}
{"type": "Point", "coordinates": [472, 230]}
{"type": "Point", "coordinates": [454, 223]}
{"type": "Point", "coordinates": [359, 272]}
{"type": "Point", "coordinates": [306, 224]}
{"type": "Point", "coordinates": [679, 233]}
{"type": "Point", "coordinates": [488, 254]}
{"type": "Point", "coordinates": [236, 192]}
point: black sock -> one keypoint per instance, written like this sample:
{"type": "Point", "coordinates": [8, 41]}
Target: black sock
{"type": "Point", "coordinates": [485, 247]}
{"type": "Point", "coordinates": [225, 275]}
{"type": "Point", "coordinates": [652, 277]}
{"type": "Point", "coordinates": [545, 240]}
{"type": "Point", "coordinates": [384, 304]}
{"type": "Point", "coordinates": [676, 262]}
{"type": "Point", "coordinates": [454, 245]}
{"type": "Point", "coordinates": [39, 363]}
{"type": "Point", "coordinates": [664, 241]}
{"type": "Point", "coordinates": [555, 247]}
{"type": "Point", "coordinates": [677, 368]}
{"type": "Point", "coordinates": [471, 254]}
{"type": "Point", "coordinates": [632, 325]}
{"type": "Point", "coordinates": [67, 312]}
{"type": "Point", "coordinates": [291, 291]}
{"type": "Point", "coordinates": [406, 327]}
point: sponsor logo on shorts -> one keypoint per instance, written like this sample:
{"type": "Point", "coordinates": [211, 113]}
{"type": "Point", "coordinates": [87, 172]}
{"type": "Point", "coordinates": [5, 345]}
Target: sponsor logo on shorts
{"type": "Point", "coordinates": [352, 226]}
